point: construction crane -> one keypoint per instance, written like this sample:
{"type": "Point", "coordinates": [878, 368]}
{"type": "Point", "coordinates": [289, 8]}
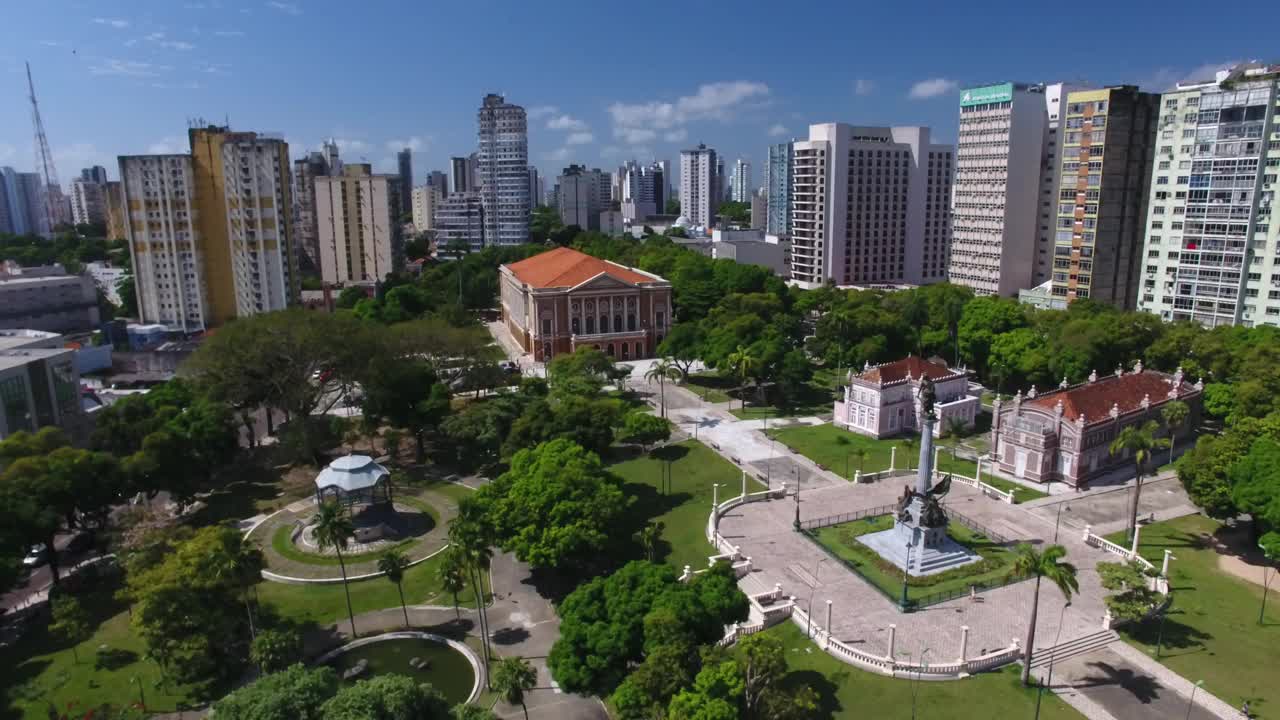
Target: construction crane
{"type": "Point", "coordinates": [43, 156]}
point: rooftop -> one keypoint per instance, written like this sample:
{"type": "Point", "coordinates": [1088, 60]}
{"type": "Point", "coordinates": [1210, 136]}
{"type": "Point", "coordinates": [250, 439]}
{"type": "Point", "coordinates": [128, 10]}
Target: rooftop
{"type": "Point", "coordinates": [10, 359]}
{"type": "Point", "coordinates": [909, 367]}
{"type": "Point", "coordinates": [1095, 399]}
{"type": "Point", "coordinates": [566, 268]}
{"type": "Point", "coordinates": [353, 472]}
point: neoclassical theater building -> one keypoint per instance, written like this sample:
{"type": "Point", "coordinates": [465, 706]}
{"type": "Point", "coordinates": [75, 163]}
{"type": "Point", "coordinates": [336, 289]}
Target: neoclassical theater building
{"type": "Point", "coordinates": [560, 300]}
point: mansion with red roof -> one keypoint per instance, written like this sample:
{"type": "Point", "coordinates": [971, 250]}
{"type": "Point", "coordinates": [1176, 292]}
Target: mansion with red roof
{"type": "Point", "coordinates": [1065, 435]}
{"type": "Point", "coordinates": [558, 301]}
{"type": "Point", "coordinates": [883, 400]}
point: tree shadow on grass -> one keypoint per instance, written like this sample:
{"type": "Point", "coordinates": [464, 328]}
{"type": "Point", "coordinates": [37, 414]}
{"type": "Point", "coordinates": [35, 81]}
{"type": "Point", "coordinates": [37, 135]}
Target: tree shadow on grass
{"type": "Point", "coordinates": [828, 704]}
{"type": "Point", "coordinates": [1176, 636]}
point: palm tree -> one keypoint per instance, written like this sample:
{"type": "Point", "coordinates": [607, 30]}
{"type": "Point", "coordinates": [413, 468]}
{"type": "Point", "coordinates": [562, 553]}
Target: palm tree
{"type": "Point", "coordinates": [1141, 441]}
{"type": "Point", "coordinates": [662, 370]}
{"type": "Point", "coordinates": [333, 529]}
{"type": "Point", "coordinates": [1174, 415]}
{"type": "Point", "coordinates": [648, 538]}
{"type": "Point", "coordinates": [240, 564]}
{"type": "Point", "coordinates": [1042, 564]}
{"type": "Point", "coordinates": [860, 453]}
{"type": "Point", "coordinates": [467, 533]}
{"type": "Point", "coordinates": [741, 361]}
{"type": "Point", "coordinates": [512, 679]}
{"type": "Point", "coordinates": [393, 564]}
{"type": "Point", "coordinates": [452, 574]}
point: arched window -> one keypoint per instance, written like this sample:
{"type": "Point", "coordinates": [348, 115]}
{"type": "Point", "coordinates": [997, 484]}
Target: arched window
{"type": "Point", "coordinates": [574, 324]}
{"type": "Point", "coordinates": [631, 322]}
{"type": "Point", "coordinates": [546, 351]}
{"type": "Point", "coordinates": [604, 323]}
{"type": "Point", "coordinates": [617, 322]}
{"type": "Point", "coordinates": [609, 351]}
{"type": "Point", "coordinates": [591, 325]}
{"type": "Point", "coordinates": [626, 354]}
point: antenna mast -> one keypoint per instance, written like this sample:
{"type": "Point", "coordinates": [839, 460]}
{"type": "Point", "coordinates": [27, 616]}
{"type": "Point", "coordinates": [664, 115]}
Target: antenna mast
{"type": "Point", "coordinates": [43, 156]}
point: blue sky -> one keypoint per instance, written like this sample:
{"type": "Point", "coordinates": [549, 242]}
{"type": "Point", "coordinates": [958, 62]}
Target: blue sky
{"type": "Point", "coordinates": [603, 81]}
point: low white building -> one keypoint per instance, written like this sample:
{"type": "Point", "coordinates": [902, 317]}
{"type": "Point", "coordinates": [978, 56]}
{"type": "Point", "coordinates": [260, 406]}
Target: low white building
{"type": "Point", "coordinates": [883, 400]}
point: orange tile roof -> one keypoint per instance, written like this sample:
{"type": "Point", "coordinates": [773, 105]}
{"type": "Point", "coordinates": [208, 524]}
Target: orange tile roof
{"type": "Point", "coordinates": [1094, 400]}
{"type": "Point", "coordinates": [912, 365]}
{"type": "Point", "coordinates": [566, 267]}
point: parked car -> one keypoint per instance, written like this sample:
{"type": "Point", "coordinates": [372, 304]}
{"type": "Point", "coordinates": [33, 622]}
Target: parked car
{"type": "Point", "coordinates": [37, 556]}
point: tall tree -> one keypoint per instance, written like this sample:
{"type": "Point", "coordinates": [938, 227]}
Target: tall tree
{"type": "Point", "coordinates": [1175, 414]}
{"type": "Point", "coordinates": [741, 362]}
{"type": "Point", "coordinates": [1138, 442]}
{"type": "Point", "coordinates": [333, 529]}
{"type": "Point", "coordinates": [512, 678]}
{"type": "Point", "coordinates": [1042, 564]}
{"type": "Point", "coordinates": [70, 623]}
{"type": "Point", "coordinates": [452, 574]}
{"type": "Point", "coordinates": [392, 565]}
{"type": "Point", "coordinates": [662, 370]}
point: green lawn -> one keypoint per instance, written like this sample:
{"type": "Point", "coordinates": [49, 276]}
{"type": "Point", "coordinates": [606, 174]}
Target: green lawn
{"type": "Point", "coordinates": [1212, 631]}
{"type": "Point", "coordinates": [841, 540]}
{"type": "Point", "coordinates": [830, 446]}
{"type": "Point", "coordinates": [710, 386]}
{"type": "Point", "coordinates": [686, 504]}
{"type": "Point", "coordinates": [1021, 493]}
{"type": "Point", "coordinates": [849, 693]}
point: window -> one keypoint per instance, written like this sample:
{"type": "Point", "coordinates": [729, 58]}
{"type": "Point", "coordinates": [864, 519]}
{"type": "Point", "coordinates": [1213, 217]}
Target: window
{"type": "Point", "coordinates": [662, 319]}
{"type": "Point", "coordinates": [546, 326]}
{"type": "Point", "coordinates": [631, 321]}
{"type": "Point", "coordinates": [573, 324]}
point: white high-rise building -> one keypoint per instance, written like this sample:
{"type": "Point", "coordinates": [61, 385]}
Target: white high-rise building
{"type": "Point", "coordinates": [699, 186]}
{"type": "Point", "coordinates": [1007, 155]}
{"type": "Point", "coordinates": [87, 202]}
{"type": "Point", "coordinates": [358, 218]}
{"type": "Point", "coordinates": [504, 171]}
{"type": "Point", "coordinates": [869, 205]}
{"type": "Point", "coordinates": [741, 181]}
{"type": "Point", "coordinates": [426, 199]}
{"type": "Point", "coordinates": [643, 190]}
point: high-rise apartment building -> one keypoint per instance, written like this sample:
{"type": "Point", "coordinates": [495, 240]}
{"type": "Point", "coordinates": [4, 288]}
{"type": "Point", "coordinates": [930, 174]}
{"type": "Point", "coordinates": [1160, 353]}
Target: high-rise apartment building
{"type": "Point", "coordinates": [113, 199]}
{"type": "Point", "coordinates": [1107, 145]}
{"type": "Point", "coordinates": [778, 189]}
{"type": "Point", "coordinates": [211, 232]}
{"type": "Point", "coordinates": [96, 174]}
{"type": "Point", "coordinates": [426, 200]}
{"type": "Point", "coordinates": [870, 205]}
{"type": "Point", "coordinates": [643, 190]}
{"type": "Point", "coordinates": [699, 185]}
{"type": "Point", "coordinates": [579, 196]}
{"type": "Point", "coordinates": [1212, 252]}
{"type": "Point", "coordinates": [504, 171]}
{"type": "Point", "coordinates": [460, 222]}
{"type": "Point", "coordinates": [305, 172]}
{"type": "Point", "coordinates": [463, 172]}
{"type": "Point", "coordinates": [404, 164]}
{"type": "Point", "coordinates": [741, 188]}
{"type": "Point", "coordinates": [358, 217]}
{"type": "Point", "coordinates": [759, 210]}
{"type": "Point", "coordinates": [440, 182]}
{"type": "Point", "coordinates": [535, 196]}
{"type": "Point", "coordinates": [1005, 186]}
{"type": "Point", "coordinates": [24, 200]}
{"type": "Point", "coordinates": [87, 204]}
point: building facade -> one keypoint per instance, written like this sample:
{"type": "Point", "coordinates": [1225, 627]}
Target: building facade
{"type": "Point", "coordinates": [358, 216]}
{"type": "Point", "coordinates": [113, 198]}
{"type": "Point", "coordinates": [460, 223]}
{"type": "Point", "coordinates": [404, 166]}
{"type": "Point", "coordinates": [579, 199]}
{"type": "Point", "coordinates": [870, 205]}
{"type": "Point", "coordinates": [426, 200]}
{"type": "Point", "coordinates": [884, 400]}
{"type": "Point", "coordinates": [1107, 147]}
{"type": "Point", "coordinates": [463, 172]}
{"type": "Point", "coordinates": [740, 184]}
{"type": "Point", "coordinates": [47, 298]}
{"type": "Point", "coordinates": [1212, 249]}
{"type": "Point", "coordinates": [504, 171]}
{"type": "Point", "coordinates": [561, 300]}
{"type": "Point", "coordinates": [96, 174]}
{"type": "Point", "coordinates": [39, 387]}
{"type": "Point", "coordinates": [778, 188]}
{"type": "Point", "coordinates": [1065, 435]}
{"type": "Point", "coordinates": [699, 186]}
{"type": "Point", "coordinates": [440, 182]}
{"type": "Point", "coordinates": [24, 209]}
{"type": "Point", "coordinates": [759, 210]}
{"type": "Point", "coordinates": [87, 204]}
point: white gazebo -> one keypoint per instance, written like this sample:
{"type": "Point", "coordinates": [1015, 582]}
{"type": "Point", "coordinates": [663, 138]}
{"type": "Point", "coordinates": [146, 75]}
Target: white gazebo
{"type": "Point", "coordinates": [354, 479]}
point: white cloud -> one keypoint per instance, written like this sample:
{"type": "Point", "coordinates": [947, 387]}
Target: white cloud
{"type": "Point", "coordinates": [862, 86]}
{"type": "Point", "coordinates": [351, 145]}
{"type": "Point", "coordinates": [80, 154]}
{"type": "Point", "coordinates": [213, 68]}
{"type": "Point", "coordinates": [160, 39]}
{"type": "Point", "coordinates": [675, 136]}
{"type": "Point", "coordinates": [289, 8]}
{"type": "Point", "coordinates": [7, 152]}
{"type": "Point", "coordinates": [168, 145]}
{"type": "Point", "coordinates": [565, 122]}
{"type": "Point", "coordinates": [636, 123]}
{"type": "Point", "coordinates": [131, 68]}
{"type": "Point", "coordinates": [579, 138]}
{"type": "Point", "coordinates": [777, 129]}
{"type": "Point", "coordinates": [229, 33]}
{"type": "Point", "coordinates": [1166, 78]}
{"type": "Point", "coordinates": [414, 143]}
{"type": "Point", "coordinates": [188, 85]}
{"type": "Point", "coordinates": [541, 110]}
{"type": "Point", "coordinates": [932, 88]}
{"type": "Point", "coordinates": [113, 22]}
{"type": "Point", "coordinates": [557, 156]}
{"type": "Point", "coordinates": [635, 136]}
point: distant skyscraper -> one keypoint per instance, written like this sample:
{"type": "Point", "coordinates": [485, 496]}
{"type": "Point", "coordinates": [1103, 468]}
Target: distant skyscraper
{"type": "Point", "coordinates": [462, 175]}
{"type": "Point", "coordinates": [358, 217]}
{"type": "Point", "coordinates": [305, 172]}
{"type": "Point", "coordinates": [668, 179]}
{"type": "Point", "coordinates": [404, 160]}
{"type": "Point", "coordinates": [535, 197]}
{"type": "Point", "coordinates": [579, 196]}
{"type": "Point", "coordinates": [741, 182]}
{"type": "Point", "coordinates": [504, 171]}
{"type": "Point", "coordinates": [96, 174]}
{"type": "Point", "coordinates": [23, 211]}
{"type": "Point", "coordinates": [643, 190]}
{"type": "Point", "coordinates": [426, 200]}
{"type": "Point", "coordinates": [778, 188]}
{"type": "Point", "coordinates": [699, 185]}
{"type": "Point", "coordinates": [460, 222]}
{"type": "Point", "coordinates": [759, 210]}
{"type": "Point", "coordinates": [845, 179]}
{"type": "Point", "coordinates": [439, 181]}
{"type": "Point", "coordinates": [87, 202]}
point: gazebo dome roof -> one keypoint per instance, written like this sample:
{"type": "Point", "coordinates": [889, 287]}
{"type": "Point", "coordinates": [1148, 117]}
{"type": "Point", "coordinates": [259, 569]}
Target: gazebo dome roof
{"type": "Point", "coordinates": [351, 473]}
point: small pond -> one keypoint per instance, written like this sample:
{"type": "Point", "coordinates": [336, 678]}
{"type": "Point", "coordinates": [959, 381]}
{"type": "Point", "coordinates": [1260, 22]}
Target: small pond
{"type": "Point", "coordinates": [444, 667]}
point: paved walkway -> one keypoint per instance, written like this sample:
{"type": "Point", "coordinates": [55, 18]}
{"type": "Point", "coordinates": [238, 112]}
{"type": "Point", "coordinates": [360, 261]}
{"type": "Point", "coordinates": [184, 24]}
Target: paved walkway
{"type": "Point", "coordinates": [1118, 682]}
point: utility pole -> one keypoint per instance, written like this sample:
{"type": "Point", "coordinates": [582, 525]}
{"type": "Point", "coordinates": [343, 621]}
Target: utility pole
{"type": "Point", "coordinates": [43, 156]}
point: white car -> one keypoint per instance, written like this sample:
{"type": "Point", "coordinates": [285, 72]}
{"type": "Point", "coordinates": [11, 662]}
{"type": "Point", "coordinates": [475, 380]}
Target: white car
{"type": "Point", "coordinates": [37, 557]}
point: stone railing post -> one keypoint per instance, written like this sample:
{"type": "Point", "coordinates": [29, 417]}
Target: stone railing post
{"type": "Point", "coordinates": [964, 643]}
{"type": "Point", "coordinates": [937, 449]}
{"type": "Point", "coordinates": [1133, 551]}
{"type": "Point", "coordinates": [744, 485]}
{"type": "Point", "coordinates": [828, 615]}
{"type": "Point", "coordinates": [1164, 566]}
{"type": "Point", "coordinates": [977, 470]}
{"type": "Point", "coordinates": [688, 572]}
{"type": "Point", "coordinates": [715, 509]}
{"type": "Point", "coordinates": [857, 476]}
{"type": "Point", "coordinates": [893, 632]}
{"type": "Point", "coordinates": [1088, 531]}
{"type": "Point", "coordinates": [893, 458]}
{"type": "Point", "coordinates": [1015, 645]}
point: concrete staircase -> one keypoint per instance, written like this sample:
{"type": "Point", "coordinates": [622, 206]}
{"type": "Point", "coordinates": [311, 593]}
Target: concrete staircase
{"type": "Point", "coordinates": [932, 561]}
{"type": "Point", "coordinates": [1072, 648]}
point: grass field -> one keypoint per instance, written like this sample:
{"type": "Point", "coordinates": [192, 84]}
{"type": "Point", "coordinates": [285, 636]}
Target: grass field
{"type": "Point", "coordinates": [841, 540]}
{"type": "Point", "coordinates": [1021, 493]}
{"type": "Point", "coordinates": [831, 446]}
{"type": "Point", "coordinates": [848, 693]}
{"type": "Point", "coordinates": [685, 505]}
{"type": "Point", "coordinates": [710, 386]}
{"type": "Point", "coordinates": [1212, 631]}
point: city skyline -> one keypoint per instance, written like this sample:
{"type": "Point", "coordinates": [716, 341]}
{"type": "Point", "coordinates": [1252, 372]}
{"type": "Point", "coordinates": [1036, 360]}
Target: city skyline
{"type": "Point", "coordinates": [148, 68]}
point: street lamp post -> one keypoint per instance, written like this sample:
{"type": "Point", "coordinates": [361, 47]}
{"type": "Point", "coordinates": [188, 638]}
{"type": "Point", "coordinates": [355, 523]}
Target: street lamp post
{"type": "Point", "coordinates": [1266, 581]}
{"type": "Point", "coordinates": [1058, 522]}
{"type": "Point", "coordinates": [915, 690]}
{"type": "Point", "coordinates": [1191, 701]}
{"type": "Point", "coordinates": [1053, 655]}
{"type": "Point", "coordinates": [906, 574]}
{"type": "Point", "coordinates": [797, 520]}
{"type": "Point", "coordinates": [1160, 631]}
{"type": "Point", "coordinates": [809, 627]}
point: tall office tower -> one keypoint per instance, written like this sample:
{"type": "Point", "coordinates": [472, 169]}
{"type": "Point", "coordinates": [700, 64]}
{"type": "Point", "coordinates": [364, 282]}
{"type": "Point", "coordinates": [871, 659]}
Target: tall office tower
{"type": "Point", "coordinates": [759, 210]}
{"type": "Point", "coordinates": [440, 182]}
{"type": "Point", "coordinates": [96, 174]}
{"type": "Point", "coordinates": [741, 183]}
{"type": "Point", "coordinates": [331, 156]}
{"type": "Point", "coordinates": [1107, 152]}
{"type": "Point", "coordinates": [618, 182]}
{"type": "Point", "coordinates": [1006, 181]}
{"type": "Point", "coordinates": [723, 189]}
{"type": "Point", "coordinates": [535, 197]}
{"type": "Point", "coordinates": [699, 186]}
{"type": "Point", "coordinates": [404, 163]}
{"type": "Point", "coordinates": [778, 188]}
{"type": "Point", "coordinates": [580, 196]}
{"type": "Point", "coordinates": [504, 171]}
{"type": "Point", "coordinates": [460, 222]}
{"type": "Point", "coordinates": [869, 205]}
{"type": "Point", "coordinates": [113, 199]}
{"type": "Point", "coordinates": [358, 217]}
{"type": "Point", "coordinates": [426, 201]}
{"type": "Point", "coordinates": [1212, 252]}
{"type": "Point", "coordinates": [17, 187]}
{"type": "Point", "coordinates": [667, 179]}
{"type": "Point", "coordinates": [642, 191]}
{"type": "Point", "coordinates": [462, 178]}
{"type": "Point", "coordinates": [87, 204]}
{"type": "Point", "coordinates": [211, 232]}
{"type": "Point", "coordinates": [305, 172]}
{"type": "Point", "coordinates": [1055, 99]}
{"type": "Point", "coordinates": [6, 216]}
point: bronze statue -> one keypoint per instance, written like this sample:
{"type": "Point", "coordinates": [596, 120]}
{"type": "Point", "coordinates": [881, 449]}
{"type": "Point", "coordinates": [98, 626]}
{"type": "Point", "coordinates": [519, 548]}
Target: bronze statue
{"type": "Point", "coordinates": [931, 512]}
{"type": "Point", "coordinates": [903, 502]}
{"type": "Point", "coordinates": [928, 396]}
